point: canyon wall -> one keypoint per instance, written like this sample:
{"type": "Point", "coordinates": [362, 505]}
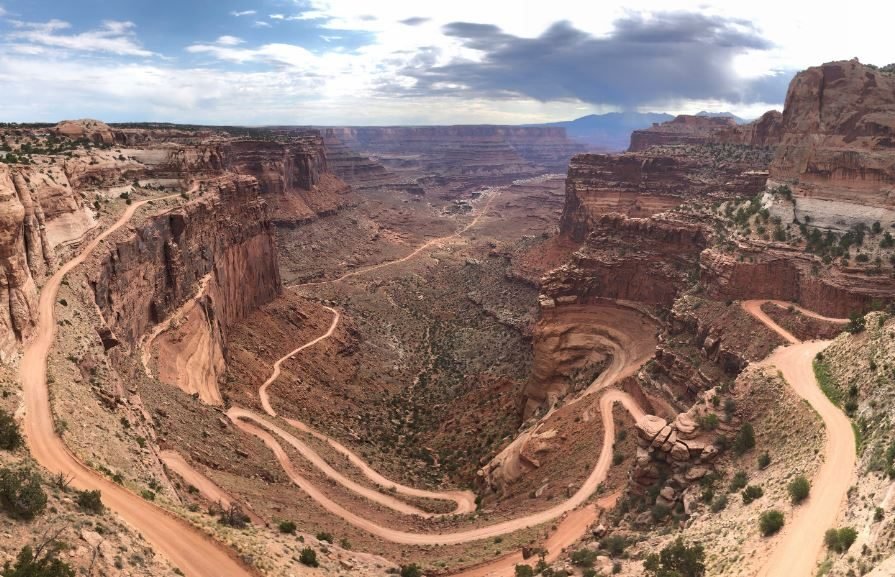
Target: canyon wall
{"type": "Point", "coordinates": [643, 184]}
{"type": "Point", "coordinates": [765, 131]}
{"type": "Point", "coordinates": [782, 273]}
{"type": "Point", "coordinates": [224, 233]}
{"type": "Point", "coordinates": [838, 147]}
{"type": "Point", "coordinates": [647, 260]}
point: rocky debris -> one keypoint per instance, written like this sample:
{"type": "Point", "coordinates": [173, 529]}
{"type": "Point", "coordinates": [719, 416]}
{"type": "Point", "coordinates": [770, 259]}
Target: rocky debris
{"type": "Point", "coordinates": [679, 446]}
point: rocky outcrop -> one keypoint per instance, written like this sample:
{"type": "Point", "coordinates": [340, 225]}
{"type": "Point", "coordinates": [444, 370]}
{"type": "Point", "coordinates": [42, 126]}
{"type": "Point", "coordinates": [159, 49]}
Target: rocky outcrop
{"type": "Point", "coordinates": [765, 131]}
{"type": "Point", "coordinates": [643, 184]}
{"type": "Point", "coordinates": [764, 271]}
{"type": "Point", "coordinates": [683, 129]}
{"type": "Point", "coordinates": [224, 233]}
{"type": "Point", "coordinates": [87, 129]}
{"type": "Point", "coordinates": [292, 173]}
{"type": "Point", "coordinates": [359, 171]}
{"type": "Point", "coordinates": [648, 260]}
{"type": "Point", "coordinates": [838, 143]}
{"type": "Point", "coordinates": [21, 257]}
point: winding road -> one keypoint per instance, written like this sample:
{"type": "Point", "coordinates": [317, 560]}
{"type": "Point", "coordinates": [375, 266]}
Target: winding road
{"type": "Point", "coordinates": [198, 555]}
{"type": "Point", "coordinates": [802, 540]}
{"type": "Point", "coordinates": [193, 552]}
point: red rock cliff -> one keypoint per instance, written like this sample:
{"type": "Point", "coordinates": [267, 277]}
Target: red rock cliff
{"type": "Point", "coordinates": [224, 233]}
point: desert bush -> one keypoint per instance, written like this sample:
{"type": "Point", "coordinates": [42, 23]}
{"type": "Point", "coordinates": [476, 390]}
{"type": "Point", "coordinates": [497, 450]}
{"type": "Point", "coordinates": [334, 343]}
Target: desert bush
{"type": "Point", "coordinates": [90, 501]}
{"type": "Point", "coordinates": [744, 440]}
{"type": "Point", "coordinates": [770, 522]}
{"type": "Point", "coordinates": [412, 570]}
{"type": "Point", "coordinates": [287, 527]}
{"type": "Point", "coordinates": [739, 481]}
{"type": "Point", "coordinates": [21, 493]}
{"type": "Point", "coordinates": [524, 571]}
{"type": "Point", "coordinates": [764, 460]}
{"type": "Point", "coordinates": [233, 516]}
{"type": "Point", "coordinates": [40, 562]}
{"type": "Point", "coordinates": [798, 489]}
{"type": "Point", "coordinates": [324, 536]}
{"type": "Point", "coordinates": [676, 560]}
{"type": "Point", "coordinates": [583, 558]}
{"type": "Point", "coordinates": [839, 540]}
{"type": "Point", "coordinates": [10, 436]}
{"type": "Point", "coordinates": [751, 493]}
{"type": "Point", "coordinates": [308, 557]}
{"type": "Point", "coordinates": [614, 545]}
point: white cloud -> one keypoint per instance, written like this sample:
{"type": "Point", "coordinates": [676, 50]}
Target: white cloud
{"type": "Point", "coordinates": [239, 13]}
{"type": "Point", "coordinates": [112, 36]}
{"type": "Point", "coordinates": [260, 24]}
{"type": "Point", "coordinates": [2, 11]}
{"type": "Point", "coordinates": [229, 41]}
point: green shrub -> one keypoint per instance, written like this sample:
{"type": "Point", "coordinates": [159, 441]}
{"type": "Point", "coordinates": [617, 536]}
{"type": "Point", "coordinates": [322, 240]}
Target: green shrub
{"type": "Point", "coordinates": [764, 460]}
{"type": "Point", "coordinates": [324, 536]}
{"type": "Point", "coordinates": [745, 439]}
{"type": "Point", "coordinates": [43, 563]}
{"type": "Point", "coordinates": [21, 493]}
{"type": "Point", "coordinates": [412, 570]}
{"type": "Point", "coordinates": [739, 481]}
{"type": "Point", "coordinates": [524, 571]}
{"type": "Point", "coordinates": [10, 436]}
{"type": "Point", "coordinates": [90, 501]}
{"type": "Point", "coordinates": [583, 558]}
{"type": "Point", "coordinates": [840, 540]}
{"type": "Point", "coordinates": [677, 560]}
{"type": "Point", "coordinates": [719, 504]}
{"type": "Point", "coordinates": [287, 527]}
{"type": "Point", "coordinates": [308, 557]}
{"type": "Point", "coordinates": [709, 421]}
{"type": "Point", "coordinates": [614, 545]}
{"type": "Point", "coordinates": [770, 522]}
{"type": "Point", "coordinates": [799, 488]}
{"type": "Point", "coordinates": [751, 493]}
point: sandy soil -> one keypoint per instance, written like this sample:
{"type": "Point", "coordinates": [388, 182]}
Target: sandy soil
{"type": "Point", "coordinates": [192, 552]}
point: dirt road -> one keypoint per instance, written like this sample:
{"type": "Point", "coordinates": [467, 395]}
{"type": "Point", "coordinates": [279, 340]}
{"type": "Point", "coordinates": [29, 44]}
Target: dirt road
{"type": "Point", "coordinates": [495, 192]}
{"type": "Point", "coordinates": [802, 541]}
{"type": "Point", "coordinates": [191, 551]}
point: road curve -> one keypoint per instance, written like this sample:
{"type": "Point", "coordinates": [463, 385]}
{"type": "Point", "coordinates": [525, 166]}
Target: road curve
{"type": "Point", "coordinates": [802, 541]}
{"type": "Point", "coordinates": [465, 500]}
{"type": "Point", "coordinates": [590, 485]}
{"type": "Point", "coordinates": [194, 553]}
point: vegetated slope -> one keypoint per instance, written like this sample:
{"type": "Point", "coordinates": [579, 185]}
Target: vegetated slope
{"type": "Point", "coordinates": [857, 372]}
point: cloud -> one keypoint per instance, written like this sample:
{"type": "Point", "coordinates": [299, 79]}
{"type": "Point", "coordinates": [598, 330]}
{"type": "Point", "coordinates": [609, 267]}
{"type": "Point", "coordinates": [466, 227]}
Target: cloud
{"type": "Point", "coordinates": [239, 13]}
{"type": "Point", "coordinates": [2, 11]}
{"type": "Point", "coordinates": [414, 21]}
{"type": "Point", "coordinates": [112, 36]}
{"type": "Point", "coordinates": [288, 55]}
{"type": "Point", "coordinates": [229, 41]}
{"type": "Point", "coordinates": [260, 24]}
{"type": "Point", "coordinates": [646, 59]}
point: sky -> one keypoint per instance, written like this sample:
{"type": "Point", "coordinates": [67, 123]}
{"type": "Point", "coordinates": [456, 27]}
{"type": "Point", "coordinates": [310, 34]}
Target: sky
{"type": "Point", "coordinates": [356, 62]}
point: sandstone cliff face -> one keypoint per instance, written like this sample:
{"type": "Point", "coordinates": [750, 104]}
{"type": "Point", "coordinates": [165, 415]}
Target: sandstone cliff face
{"type": "Point", "coordinates": [224, 233]}
{"type": "Point", "coordinates": [21, 257]}
{"type": "Point", "coordinates": [643, 184]}
{"type": "Point", "coordinates": [293, 175]}
{"type": "Point", "coordinates": [647, 260]}
{"type": "Point", "coordinates": [683, 129]}
{"type": "Point", "coordinates": [775, 272]}
{"type": "Point", "coordinates": [766, 131]}
{"type": "Point", "coordinates": [838, 141]}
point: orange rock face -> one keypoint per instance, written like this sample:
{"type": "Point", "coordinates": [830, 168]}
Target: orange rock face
{"type": "Point", "coordinates": [838, 139]}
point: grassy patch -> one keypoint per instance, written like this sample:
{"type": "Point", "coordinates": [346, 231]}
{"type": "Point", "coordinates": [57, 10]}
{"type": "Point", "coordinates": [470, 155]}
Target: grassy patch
{"type": "Point", "coordinates": [827, 382]}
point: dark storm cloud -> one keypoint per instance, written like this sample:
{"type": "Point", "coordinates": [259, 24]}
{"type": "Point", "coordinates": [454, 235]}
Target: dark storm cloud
{"type": "Point", "coordinates": [414, 21]}
{"type": "Point", "coordinates": [661, 58]}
